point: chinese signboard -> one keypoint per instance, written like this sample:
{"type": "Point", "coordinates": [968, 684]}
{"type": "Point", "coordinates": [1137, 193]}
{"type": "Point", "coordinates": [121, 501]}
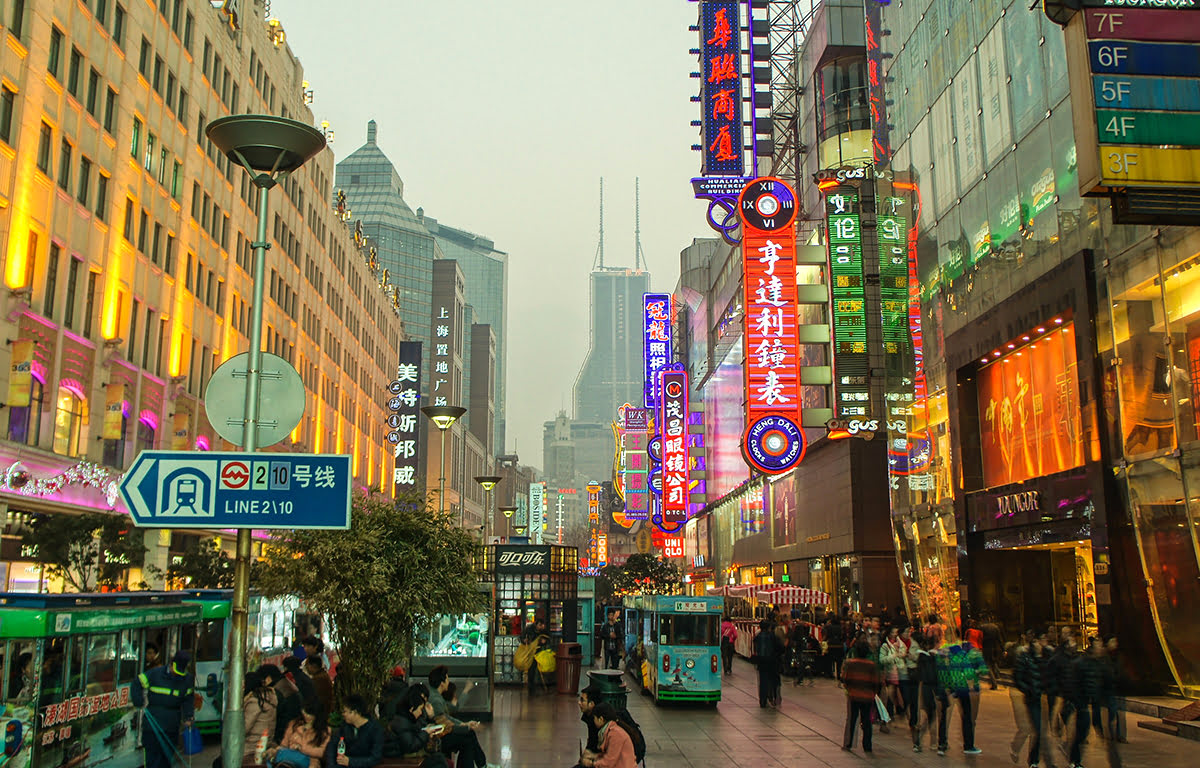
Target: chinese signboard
{"type": "Point", "coordinates": [893, 275]}
{"type": "Point", "coordinates": [444, 340]}
{"type": "Point", "coordinates": [656, 342]}
{"type": "Point", "coordinates": [404, 406]}
{"type": "Point", "coordinates": [523, 559]}
{"type": "Point", "coordinates": [674, 448]}
{"type": "Point", "coordinates": [721, 88]}
{"type": "Point", "coordinates": [537, 505]}
{"type": "Point", "coordinates": [773, 442]}
{"type": "Point", "coordinates": [593, 490]}
{"type": "Point", "coordinates": [849, 303]}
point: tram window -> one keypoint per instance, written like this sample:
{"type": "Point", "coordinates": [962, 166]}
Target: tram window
{"type": "Point", "coordinates": [101, 663]}
{"type": "Point", "coordinates": [20, 655]}
{"type": "Point", "coordinates": [210, 641]}
{"type": "Point", "coordinates": [130, 655]}
{"type": "Point", "coordinates": [689, 630]}
{"type": "Point", "coordinates": [155, 650]}
{"type": "Point", "coordinates": [76, 671]}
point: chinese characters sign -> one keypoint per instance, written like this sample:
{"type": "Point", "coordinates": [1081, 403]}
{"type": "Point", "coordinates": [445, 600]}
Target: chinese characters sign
{"type": "Point", "coordinates": [849, 303]}
{"type": "Point", "coordinates": [635, 463]}
{"type": "Point", "coordinates": [404, 404]}
{"type": "Point", "coordinates": [593, 491]}
{"type": "Point", "coordinates": [773, 442]}
{"type": "Point", "coordinates": [721, 88]}
{"type": "Point", "coordinates": [656, 342]}
{"type": "Point", "coordinates": [444, 339]}
{"type": "Point", "coordinates": [537, 506]}
{"type": "Point", "coordinates": [893, 275]}
{"type": "Point", "coordinates": [674, 448]}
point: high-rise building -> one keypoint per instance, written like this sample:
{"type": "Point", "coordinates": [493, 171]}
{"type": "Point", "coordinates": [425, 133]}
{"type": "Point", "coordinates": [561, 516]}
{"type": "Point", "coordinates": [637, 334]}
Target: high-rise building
{"type": "Point", "coordinates": [611, 374]}
{"type": "Point", "coordinates": [486, 271]}
{"type": "Point", "coordinates": [127, 257]}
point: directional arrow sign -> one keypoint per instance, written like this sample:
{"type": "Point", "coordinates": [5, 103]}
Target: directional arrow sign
{"type": "Point", "coordinates": [204, 489]}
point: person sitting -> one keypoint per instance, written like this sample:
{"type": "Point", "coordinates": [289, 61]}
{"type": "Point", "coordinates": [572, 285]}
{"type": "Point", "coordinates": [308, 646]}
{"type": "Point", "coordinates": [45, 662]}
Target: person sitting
{"type": "Point", "coordinates": [287, 696]}
{"type": "Point", "coordinates": [460, 736]}
{"type": "Point", "coordinates": [411, 733]}
{"type": "Point", "coordinates": [260, 709]}
{"type": "Point", "coordinates": [616, 747]}
{"type": "Point", "coordinates": [359, 742]}
{"type": "Point", "coordinates": [304, 740]}
{"type": "Point", "coordinates": [322, 683]}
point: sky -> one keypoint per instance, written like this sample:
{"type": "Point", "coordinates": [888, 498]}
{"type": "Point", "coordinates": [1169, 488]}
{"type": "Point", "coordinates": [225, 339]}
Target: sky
{"type": "Point", "coordinates": [501, 116]}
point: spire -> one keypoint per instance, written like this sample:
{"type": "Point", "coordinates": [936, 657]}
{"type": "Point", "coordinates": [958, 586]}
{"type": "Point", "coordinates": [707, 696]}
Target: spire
{"type": "Point", "coordinates": [639, 259]}
{"type": "Point", "coordinates": [598, 262]}
{"type": "Point", "coordinates": [371, 131]}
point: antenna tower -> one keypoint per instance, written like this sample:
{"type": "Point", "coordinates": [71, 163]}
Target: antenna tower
{"type": "Point", "coordinates": [598, 262]}
{"type": "Point", "coordinates": [639, 258]}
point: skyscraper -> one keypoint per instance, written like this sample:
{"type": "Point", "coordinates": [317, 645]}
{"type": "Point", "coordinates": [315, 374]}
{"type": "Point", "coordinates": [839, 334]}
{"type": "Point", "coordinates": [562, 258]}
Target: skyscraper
{"type": "Point", "coordinates": [611, 374]}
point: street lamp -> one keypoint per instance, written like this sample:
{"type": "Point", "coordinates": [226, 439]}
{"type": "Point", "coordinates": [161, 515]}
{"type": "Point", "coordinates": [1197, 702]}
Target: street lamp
{"type": "Point", "coordinates": [269, 148]}
{"type": "Point", "coordinates": [488, 482]}
{"type": "Point", "coordinates": [443, 416]}
{"type": "Point", "coordinates": [508, 513]}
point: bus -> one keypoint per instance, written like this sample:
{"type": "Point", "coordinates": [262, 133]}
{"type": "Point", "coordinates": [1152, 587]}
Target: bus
{"type": "Point", "coordinates": [69, 662]}
{"type": "Point", "coordinates": [682, 642]}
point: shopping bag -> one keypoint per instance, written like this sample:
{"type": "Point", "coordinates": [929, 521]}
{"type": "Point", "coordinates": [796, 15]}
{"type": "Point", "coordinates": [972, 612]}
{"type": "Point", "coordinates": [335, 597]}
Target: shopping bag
{"type": "Point", "coordinates": [884, 717]}
{"type": "Point", "coordinates": [193, 743]}
{"type": "Point", "coordinates": [523, 657]}
{"type": "Point", "coordinates": [545, 661]}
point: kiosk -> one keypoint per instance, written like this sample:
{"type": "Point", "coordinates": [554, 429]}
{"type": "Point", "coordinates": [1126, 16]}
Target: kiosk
{"type": "Point", "coordinates": [532, 582]}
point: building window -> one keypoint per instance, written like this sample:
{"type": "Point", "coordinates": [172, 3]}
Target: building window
{"type": "Point", "coordinates": [156, 80]}
{"type": "Point", "coordinates": [85, 180]}
{"type": "Point", "coordinates": [8, 103]}
{"type": "Point", "coordinates": [17, 27]}
{"type": "Point", "coordinates": [133, 329]}
{"type": "Point", "coordinates": [72, 293]}
{"type": "Point", "coordinates": [25, 422]}
{"type": "Point", "coordinates": [93, 92]}
{"type": "Point", "coordinates": [54, 60]}
{"type": "Point", "coordinates": [127, 232]}
{"type": "Point", "coordinates": [170, 94]}
{"type": "Point", "coordinates": [101, 11]}
{"type": "Point", "coordinates": [64, 165]}
{"type": "Point", "coordinates": [169, 265]}
{"type": "Point", "coordinates": [43, 158]}
{"type": "Point", "coordinates": [200, 123]}
{"type": "Point", "coordinates": [119, 26]}
{"type": "Point", "coordinates": [176, 179]}
{"type": "Point", "coordinates": [189, 22]}
{"type": "Point", "coordinates": [110, 110]}
{"type": "Point", "coordinates": [155, 242]}
{"type": "Point", "coordinates": [181, 110]}
{"type": "Point", "coordinates": [146, 434]}
{"type": "Point", "coordinates": [162, 166]}
{"type": "Point", "coordinates": [144, 59]}
{"type": "Point", "coordinates": [207, 59]}
{"type": "Point", "coordinates": [102, 197]}
{"type": "Point", "coordinates": [89, 309]}
{"type": "Point", "coordinates": [51, 281]}
{"type": "Point", "coordinates": [73, 66]}
{"type": "Point", "coordinates": [141, 244]}
{"type": "Point", "coordinates": [70, 422]}
{"type": "Point", "coordinates": [135, 141]}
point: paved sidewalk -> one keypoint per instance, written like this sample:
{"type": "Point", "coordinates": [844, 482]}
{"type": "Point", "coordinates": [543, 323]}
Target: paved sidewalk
{"type": "Point", "coordinates": [545, 732]}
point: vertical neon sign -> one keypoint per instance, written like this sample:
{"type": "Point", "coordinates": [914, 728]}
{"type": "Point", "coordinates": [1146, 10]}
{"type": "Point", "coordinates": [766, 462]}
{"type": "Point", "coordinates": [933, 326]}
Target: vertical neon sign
{"type": "Point", "coordinates": [721, 90]}
{"type": "Point", "coordinates": [849, 303]}
{"type": "Point", "coordinates": [674, 448]}
{"type": "Point", "coordinates": [774, 441]}
{"type": "Point", "coordinates": [656, 342]}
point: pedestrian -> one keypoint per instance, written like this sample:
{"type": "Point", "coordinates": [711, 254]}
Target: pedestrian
{"type": "Point", "coordinates": [412, 733]}
{"type": "Point", "coordinates": [993, 646]}
{"type": "Point", "coordinates": [315, 646]}
{"type": "Point", "coordinates": [304, 740]}
{"type": "Point", "coordinates": [260, 715]}
{"type": "Point", "coordinates": [322, 683]}
{"type": "Point", "coordinates": [729, 635]}
{"type": "Point", "coordinates": [961, 671]}
{"type": "Point", "coordinates": [1086, 670]}
{"type": "Point", "coordinates": [1059, 683]}
{"type": "Point", "coordinates": [614, 641]}
{"type": "Point", "coordinates": [166, 693]}
{"type": "Point", "coordinates": [287, 695]}
{"type": "Point", "coordinates": [1027, 700]}
{"type": "Point", "coordinates": [860, 674]}
{"type": "Point", "coordinates": [616, 746]}
{"type": "Point", "coordinates": [359, 742]}
{"type": "Point", "coordinates": [835, 649]}
{"type": "Point", "coordinates": [292, 669]}
{"type": "Point", "coordinates": [766, 657]}
{"type": "Point", "coordinates": [893, 668]}
{"type": "Point", "coordinates": [801, 645]}
{"type": "Point", "coordinates": [460, 736]}
{"type": "Point", "coordinates": [535, 634]}
{"type": "Point", "coordinates": [924, 684]}
{"type": "Point", "coordinates": [1115, 699]}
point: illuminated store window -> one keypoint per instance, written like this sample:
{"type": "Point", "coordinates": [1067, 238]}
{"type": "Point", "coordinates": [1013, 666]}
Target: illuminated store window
{"type": "Point", "coordinates": [70, 422]}
{"type": "Point", "coordinates": [25, 422]}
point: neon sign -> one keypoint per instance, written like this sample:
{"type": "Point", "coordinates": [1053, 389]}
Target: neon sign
{"type": "Point", "coordinates": [876, 97]}
{"type": "Point", "coordinates": [721, 90]}
{"type": "Point", "coordinates": [773, 441]}
{"type": "Point", "coordinates": [674, 448]}
{"type": "Point", "coordinates": [849, 303]}
{"type": "Point", "coordinates": [593, 490]}
{"type": "Point", "coordinates": [404, 402]}
{"type": "Point", "coordinates": [656, 342]}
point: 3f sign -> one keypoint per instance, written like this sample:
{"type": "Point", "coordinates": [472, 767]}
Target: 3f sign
{"type": "Point", "coordinates": [1122, 162]}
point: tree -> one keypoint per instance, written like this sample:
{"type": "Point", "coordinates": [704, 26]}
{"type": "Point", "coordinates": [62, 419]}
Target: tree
{"type": "Point", "coordinates": [397, 569]}
{"type": "Point", "coordinates": [206, 568]}
{"type": "Point", "coordinates": [641, 574]}
{"type": "Point", "coordinates": [88, 550]}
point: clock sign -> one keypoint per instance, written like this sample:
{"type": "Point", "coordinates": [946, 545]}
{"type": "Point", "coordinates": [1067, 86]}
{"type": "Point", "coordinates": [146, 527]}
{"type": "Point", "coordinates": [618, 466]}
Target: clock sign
{"type": "Point", "coordinates": [768, 205]}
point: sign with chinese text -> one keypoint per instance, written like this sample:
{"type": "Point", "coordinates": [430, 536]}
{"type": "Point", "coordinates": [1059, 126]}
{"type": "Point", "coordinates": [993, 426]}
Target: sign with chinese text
{"type": "Point", "coordinates": [773, 441]}
{"type": "Point", "coordinates": [537, 506]}
{"type": "Point", "coordinates": [527, 559]}
{"type": "Point", "coordinates": [635, 467]}
{"type": "Point", "coordinates": [441, 382]}
{"type": "Point", "coordinates": [881, 147]}
{"type": "Point", "coordinates": [675, 467]}
{"type": "Point", "coordinates": [851, 365]}
{"type": "Point", "coordinates": [656, 342]}
{"type": "Point", "coordinates": [721, 88]}
{"type": "Point", "coordinates": [404, 416]}
{"type": "Point", "coordinates": [593, 491]}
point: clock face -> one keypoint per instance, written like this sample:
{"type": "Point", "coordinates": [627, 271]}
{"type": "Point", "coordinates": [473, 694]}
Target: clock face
{"type": "Point", "coordinates": [767, 205]}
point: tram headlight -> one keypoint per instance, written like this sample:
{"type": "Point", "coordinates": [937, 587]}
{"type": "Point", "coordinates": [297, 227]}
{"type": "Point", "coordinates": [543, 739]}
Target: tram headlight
{"type": "Point", "coordinates": [690, 663]}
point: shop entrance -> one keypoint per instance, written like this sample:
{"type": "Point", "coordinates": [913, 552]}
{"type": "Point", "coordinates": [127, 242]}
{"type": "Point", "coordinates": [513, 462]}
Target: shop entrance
{"type": "Point", "coordinates": [1036, 586]}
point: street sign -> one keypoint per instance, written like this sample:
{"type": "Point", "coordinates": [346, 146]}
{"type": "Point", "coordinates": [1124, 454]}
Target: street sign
{"type": "Point", "coordinates": [280, 398]}
{"type": "Point", "coordinates": [205, 489]}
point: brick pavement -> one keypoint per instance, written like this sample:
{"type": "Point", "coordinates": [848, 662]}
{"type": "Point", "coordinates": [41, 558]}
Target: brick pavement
{"type": "Point", "coordinates": [545, 732]}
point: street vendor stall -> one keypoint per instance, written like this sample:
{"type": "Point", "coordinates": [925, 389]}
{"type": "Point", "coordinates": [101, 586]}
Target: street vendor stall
{"type": "Point", "coordinates": [532, 583]}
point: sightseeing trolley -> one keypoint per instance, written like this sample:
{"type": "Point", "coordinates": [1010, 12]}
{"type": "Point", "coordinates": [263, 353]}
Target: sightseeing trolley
{"type": "Point", "coordinates": [682, 640]}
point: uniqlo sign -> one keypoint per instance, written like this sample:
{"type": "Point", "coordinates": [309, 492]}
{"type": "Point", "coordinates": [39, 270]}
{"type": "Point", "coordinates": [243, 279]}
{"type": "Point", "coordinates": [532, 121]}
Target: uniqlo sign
{"type": "Point", "coordinates": [673, 419]}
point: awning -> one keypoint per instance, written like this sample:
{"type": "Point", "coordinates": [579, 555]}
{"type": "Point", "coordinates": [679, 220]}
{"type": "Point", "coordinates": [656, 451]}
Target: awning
{"type": "Point", "coordinates": [791, 595]}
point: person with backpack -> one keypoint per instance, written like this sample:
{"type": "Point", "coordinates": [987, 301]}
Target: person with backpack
{"type": "Point", "coordinates": [616, 746]}
{"type": "Point", "coordinates": [589, 699]}
{"type": "Point", "coordinates": [729, 636]}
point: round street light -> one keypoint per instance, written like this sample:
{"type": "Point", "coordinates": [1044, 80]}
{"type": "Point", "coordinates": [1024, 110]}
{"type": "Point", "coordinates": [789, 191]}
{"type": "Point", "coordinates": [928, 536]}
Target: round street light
{"type": "Point", "coordinates": [443, 416]}
{"type": "Point", "coordinates": [488, 482]}
{"type": "Point", "coordinates": [508, 513]}
{"type": "Point", "coordinates": [266, 143]}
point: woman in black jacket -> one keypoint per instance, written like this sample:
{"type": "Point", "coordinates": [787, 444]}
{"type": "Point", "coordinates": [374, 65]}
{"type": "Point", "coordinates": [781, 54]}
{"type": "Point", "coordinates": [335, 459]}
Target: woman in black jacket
{"type": "Point", "coordinates": [411, 732]}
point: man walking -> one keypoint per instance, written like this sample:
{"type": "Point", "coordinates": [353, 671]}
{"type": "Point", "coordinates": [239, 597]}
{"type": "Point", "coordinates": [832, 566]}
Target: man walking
{"type": "Point", "coordinates": [1027, 703]}
{"type": "Point", "coordinates": [860, 674]}
{"type": "Point", "coordinates": [166, 693]}
{"type": "Point", "coordinates": [729, 636]}
{"type": "Point", "coordinates": [614, 641]}
{"type": "Point", "coordinates": [767, 650]}
{"type": "Point", "coordinates": [962, 671]}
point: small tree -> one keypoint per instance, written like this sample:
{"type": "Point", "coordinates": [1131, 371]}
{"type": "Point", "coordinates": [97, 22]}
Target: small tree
{"type": "Point", "coordinates": [86, 551]}
{"type": "Point", "coordinates": [399, 567]}
{"type": "Point", "coordinates": [641, 574]}
{"type": "Point", "coordinates": [206, 568]}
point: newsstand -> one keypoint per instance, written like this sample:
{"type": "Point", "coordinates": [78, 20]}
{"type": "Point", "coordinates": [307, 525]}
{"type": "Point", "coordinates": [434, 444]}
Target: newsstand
{"type": "Point", "coordinates": [568, 664]}
{"type": "Point", "coordinates": [611, 686]}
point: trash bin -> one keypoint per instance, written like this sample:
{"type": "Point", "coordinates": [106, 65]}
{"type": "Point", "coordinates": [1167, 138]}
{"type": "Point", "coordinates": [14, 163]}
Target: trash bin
{"type": "Point", "coordinates": [568, 663]}
{"type": "Point", "coordinates": [611, 686]}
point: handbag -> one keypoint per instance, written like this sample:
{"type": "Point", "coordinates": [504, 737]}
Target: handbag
{"type": "Point", "coordinates": [193, 742]}
{"type": "Point", "coordinates": [884, 717]}
{"type": "Point", "coordinates": [546, 661]}
{"type": "Point", "coordinates": [290, 757]}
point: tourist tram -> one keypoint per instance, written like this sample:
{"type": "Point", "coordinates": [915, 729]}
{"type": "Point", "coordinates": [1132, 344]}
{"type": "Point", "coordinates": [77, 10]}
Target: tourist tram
{"type": "Point", "coordinates": [681, 636]}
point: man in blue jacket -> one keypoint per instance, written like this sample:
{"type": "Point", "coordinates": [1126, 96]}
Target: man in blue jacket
{"type": "Point", "coordinates": [166, 693]}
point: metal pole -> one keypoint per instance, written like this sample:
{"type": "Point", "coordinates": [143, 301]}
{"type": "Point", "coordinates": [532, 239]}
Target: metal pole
{"type": "Point", "coordinates": [232, 725]}
{"type": "Point", "coordinates": [442, 479]}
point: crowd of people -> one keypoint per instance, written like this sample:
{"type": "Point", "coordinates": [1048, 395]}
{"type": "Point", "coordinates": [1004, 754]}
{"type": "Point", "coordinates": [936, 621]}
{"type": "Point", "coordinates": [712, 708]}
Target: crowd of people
{"type": "Point", "coordinates": [896, 670]}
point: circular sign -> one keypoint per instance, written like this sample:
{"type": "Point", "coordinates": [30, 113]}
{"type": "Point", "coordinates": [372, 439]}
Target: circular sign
{"type": "Point", "coordinates": [280, 399]}
{"type": "Point", "coordinates": [654, 448]}
{"type": "Point", "coordinates": [395, 387]}
{"type": "Point", "coordinates": [644, 541]}
{"type": "Point", "coordinates": [393, 437]}
{"type": "Point", "coordinates": [394, 403]}
{"type": "Point", "coordinates": [674, 388]}
{"type": "Point", "coordinates": [773, 444]}
{"type": "Point", "coordinates": [393, 421]}
{"type": "Point", "coordinates": [656, 480]}
{"type": "Point", "coordinates": [767, 204]}
{"type": "Point", "coordinates": [235, 474]}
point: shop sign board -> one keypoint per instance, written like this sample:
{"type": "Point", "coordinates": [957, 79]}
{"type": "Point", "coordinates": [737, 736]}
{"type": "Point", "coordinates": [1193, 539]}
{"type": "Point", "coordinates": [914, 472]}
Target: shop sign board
{"type": "Point", "coordinates": [721, 88]}
{"type": "Point", "coordinates": [528, 559]}
{"type": "Point", "coordinates": [851, 364]}
{"type": "Point", "coordinates": [773, 441]}
{"type": "Point", "coordinates": [675, 469]}
{"type": "Point", "coordinates": [656, 343]}
{"type": "Point", "coordinates": [403, 420]}
{"type": "Point", "coordinates": [593, 490]}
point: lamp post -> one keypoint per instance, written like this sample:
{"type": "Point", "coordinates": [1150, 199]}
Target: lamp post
{"type": "Point", "coordinates": [508, 513]}
{"type": "Point", "coordinates": [488, 482]}
{"type": "Point", "coordinates": [269, 148]}
{"type": "Point", "coordinates": [443, 416]}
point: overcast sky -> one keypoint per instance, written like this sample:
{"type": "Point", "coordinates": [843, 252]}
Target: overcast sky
{"type": "Point", "coordinates": [501, 116]}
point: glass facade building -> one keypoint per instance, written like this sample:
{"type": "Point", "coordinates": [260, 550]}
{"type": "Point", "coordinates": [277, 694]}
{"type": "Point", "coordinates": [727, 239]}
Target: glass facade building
{"type": "Point", "coordinates": [1048, 470]}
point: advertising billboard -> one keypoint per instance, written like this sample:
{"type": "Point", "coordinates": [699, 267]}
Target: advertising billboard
{"type": "Point", "coordinates": [403, 420]}
{"type": "Point", "coordinates": [656, 343]}
{"type": "Point", "coordinates": [675, 465]}
{"type": "Point", "coordinates": [850, 360]}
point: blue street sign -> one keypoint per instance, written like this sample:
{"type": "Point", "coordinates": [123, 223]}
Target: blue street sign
{"type": "Point", "coordinates": [205, 489]}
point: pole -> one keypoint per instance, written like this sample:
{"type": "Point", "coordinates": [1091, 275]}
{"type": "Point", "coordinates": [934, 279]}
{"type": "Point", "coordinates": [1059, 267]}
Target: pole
{"type": "Point", "coordinates": [233, 735]}
{"type": "Point", "coordinates": [442, 479]}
